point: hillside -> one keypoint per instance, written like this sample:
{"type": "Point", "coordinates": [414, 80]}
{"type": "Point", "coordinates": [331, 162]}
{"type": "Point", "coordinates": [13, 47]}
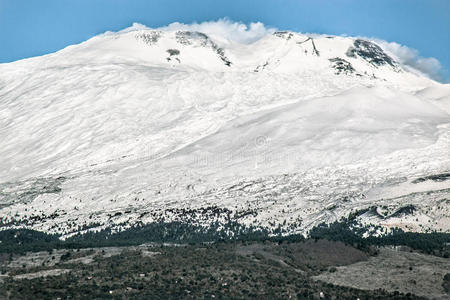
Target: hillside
{"type": "Point", "coordinates": [145, 126]}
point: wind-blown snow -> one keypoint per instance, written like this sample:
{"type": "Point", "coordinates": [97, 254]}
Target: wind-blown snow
{"type": "Point", "coordinates": [288, 126]}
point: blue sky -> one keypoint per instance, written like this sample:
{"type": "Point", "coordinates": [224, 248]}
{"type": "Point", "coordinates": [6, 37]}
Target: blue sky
{"type": "Point", "coordinates": [35, 27]}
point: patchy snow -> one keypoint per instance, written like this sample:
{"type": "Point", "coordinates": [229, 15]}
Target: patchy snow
{"type": "Point", "coordinates": [44, 273]}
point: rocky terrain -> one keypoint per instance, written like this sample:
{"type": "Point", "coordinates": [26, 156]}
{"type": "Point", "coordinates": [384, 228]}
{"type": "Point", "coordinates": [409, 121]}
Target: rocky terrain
{"type": "Point", "coordinates": [299, 270]}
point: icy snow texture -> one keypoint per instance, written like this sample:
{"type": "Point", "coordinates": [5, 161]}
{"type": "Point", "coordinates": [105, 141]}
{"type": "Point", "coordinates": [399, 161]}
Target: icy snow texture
{"type": "Point", "coordinates": [121, 124]}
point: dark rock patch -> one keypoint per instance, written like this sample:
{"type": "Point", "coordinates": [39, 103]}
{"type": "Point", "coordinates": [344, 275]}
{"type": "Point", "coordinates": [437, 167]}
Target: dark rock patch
{"type": "Point", "coordinates": [370, 52]}
{"type": "Point", "coordinates": [341, 66]}
{"type": "Point", "coordinates": [437, 178]}
{"type": "Point", "coordinates": [173, 52]}
{"type": "Point", "coordinates": [198, 39]}
{"type": "Point", "coordinates": [150, 38]}
{"type": "Point", "coordinates": [284, 35]}
{"type": "Point", "coordinates": [402, 211]}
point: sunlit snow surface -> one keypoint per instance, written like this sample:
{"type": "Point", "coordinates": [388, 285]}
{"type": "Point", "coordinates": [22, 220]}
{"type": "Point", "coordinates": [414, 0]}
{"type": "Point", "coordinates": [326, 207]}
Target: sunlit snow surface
{"type": "Point", "coordinates": [129, 127]}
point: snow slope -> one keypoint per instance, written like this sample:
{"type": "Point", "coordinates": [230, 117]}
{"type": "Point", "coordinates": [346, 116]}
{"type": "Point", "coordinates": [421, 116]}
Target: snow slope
{"type": "Point", "coordinates": [296, 129]}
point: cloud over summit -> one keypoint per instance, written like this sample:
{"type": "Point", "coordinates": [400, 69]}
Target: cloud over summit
{"type": "Point", "coordinates": [222, 28]}
{"type": "Point", "coordinates": [410, 57]}
{"type": "Point", "coordinates": [227, 30]}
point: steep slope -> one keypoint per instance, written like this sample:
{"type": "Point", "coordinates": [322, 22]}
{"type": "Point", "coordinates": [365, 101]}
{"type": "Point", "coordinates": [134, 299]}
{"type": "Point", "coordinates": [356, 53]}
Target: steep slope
{"type": "Point", "coordinates": [135, 126]}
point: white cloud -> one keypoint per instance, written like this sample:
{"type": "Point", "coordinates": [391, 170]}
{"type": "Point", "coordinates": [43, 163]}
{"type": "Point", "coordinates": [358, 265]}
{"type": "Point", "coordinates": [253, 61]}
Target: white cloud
{"type": "Point", "coordinates": [410, 57]}
{"type": "Point", "coordinates": [134, 27]}
{"type": "Point", "coordinates": [222, 28]}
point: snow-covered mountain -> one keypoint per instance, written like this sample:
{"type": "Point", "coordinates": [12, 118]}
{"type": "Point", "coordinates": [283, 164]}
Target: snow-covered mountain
{"type": "Point", "coordinates": [292, 130]}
